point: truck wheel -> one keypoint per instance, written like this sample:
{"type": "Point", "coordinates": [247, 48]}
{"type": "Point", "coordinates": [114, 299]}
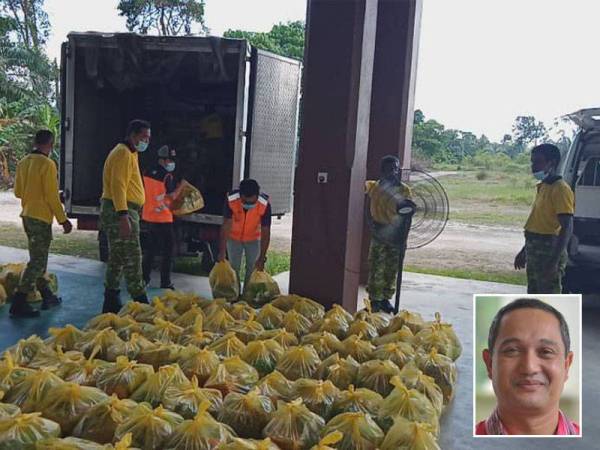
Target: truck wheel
{"type": "Point", "coordinates": [103, 246]}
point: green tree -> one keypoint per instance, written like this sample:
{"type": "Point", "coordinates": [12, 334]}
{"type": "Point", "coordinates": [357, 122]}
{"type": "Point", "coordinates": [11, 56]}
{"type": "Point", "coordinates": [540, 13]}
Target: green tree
{"type": "Point", "coordinates": [165, 17]}
{"type": "Point", "coordinates": [284, 39]}
{"type": "Point", "coordinates": [527, 130]}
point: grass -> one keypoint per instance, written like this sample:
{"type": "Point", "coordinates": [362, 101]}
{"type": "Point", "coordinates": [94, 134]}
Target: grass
{"type": "Point", "coordinates": [498, 277]}
{"type": "Point", "coordinates": [277, 262]}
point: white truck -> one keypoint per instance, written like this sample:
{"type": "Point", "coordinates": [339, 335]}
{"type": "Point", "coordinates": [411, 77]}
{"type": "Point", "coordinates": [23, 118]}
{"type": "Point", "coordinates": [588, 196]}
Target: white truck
{"type": "Point", "coordinates": [229, 110]}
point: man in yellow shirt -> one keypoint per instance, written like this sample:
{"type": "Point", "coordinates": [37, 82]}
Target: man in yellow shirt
{"type": "Point", "coordinates": [122, 200]}
{"type": "Point", "coordinates": [549, 226]}
{"type": "Point", "coordinates": [36, 184]}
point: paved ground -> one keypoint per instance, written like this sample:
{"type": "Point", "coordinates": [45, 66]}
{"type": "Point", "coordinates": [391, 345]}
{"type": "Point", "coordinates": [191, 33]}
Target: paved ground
{"type": "Point", "coordinates": [81, 287]}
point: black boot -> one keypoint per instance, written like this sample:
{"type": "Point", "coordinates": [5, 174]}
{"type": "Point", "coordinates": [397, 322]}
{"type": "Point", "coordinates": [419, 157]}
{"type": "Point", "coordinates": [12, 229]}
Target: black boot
{"type": "Point", "coordinates": [49, 299]}
{"type": "Point", "coordinates": [142, 298]}
{"type": "Point", "coordinates": [20, 307]}
{"type": "Point", "coordinates": [382, 306]}
{"type": "Point", "coordinates": [112, 301]}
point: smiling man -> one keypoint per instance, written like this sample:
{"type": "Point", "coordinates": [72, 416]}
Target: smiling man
{"type": "Point", "coordinates": [528, 360]}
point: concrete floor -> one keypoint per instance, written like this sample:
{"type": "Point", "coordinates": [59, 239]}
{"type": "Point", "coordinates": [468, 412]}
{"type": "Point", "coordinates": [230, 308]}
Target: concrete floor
{"type": "Point", "coordinates": [81, 288]}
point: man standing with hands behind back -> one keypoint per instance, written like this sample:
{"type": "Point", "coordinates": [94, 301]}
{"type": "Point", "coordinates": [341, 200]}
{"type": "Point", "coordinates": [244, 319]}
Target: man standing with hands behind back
{"type": "Point", "coordinates": [122, 200]}
{"type": "Point", "coordinates": [36, 184]}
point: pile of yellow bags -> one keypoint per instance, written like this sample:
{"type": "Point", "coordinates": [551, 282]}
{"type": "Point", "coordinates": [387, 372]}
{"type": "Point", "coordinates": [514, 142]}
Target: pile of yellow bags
{"type": "Point", "coordinates": [190, 373]}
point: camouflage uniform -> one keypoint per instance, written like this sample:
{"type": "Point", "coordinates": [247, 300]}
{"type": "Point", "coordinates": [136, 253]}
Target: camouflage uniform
{"type": "Point", "coordinates": [539, 251]}
{"type": "Point", "coordinates": [39, 237]}
{"type": "Point", "coordinates": [125, 255]}
{"type": "Point", "coordinates": [383, 270]}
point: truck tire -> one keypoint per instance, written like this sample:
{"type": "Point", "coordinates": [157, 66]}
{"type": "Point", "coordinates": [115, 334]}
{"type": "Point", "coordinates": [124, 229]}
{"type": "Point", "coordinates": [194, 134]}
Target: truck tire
{"type": "Point", "coordinates": [103, 246]}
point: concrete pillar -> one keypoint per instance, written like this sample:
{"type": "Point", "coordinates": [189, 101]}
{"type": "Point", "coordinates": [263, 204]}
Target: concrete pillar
{"type": "Point", "coordinates": [393, 95]}
{"type": "Point", "coordinates": [328, 208]}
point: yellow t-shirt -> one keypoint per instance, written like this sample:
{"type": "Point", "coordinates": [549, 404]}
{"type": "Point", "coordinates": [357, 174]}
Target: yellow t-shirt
{"type": "Point", "coordinates": [550, 201]}
{"type": "Point", "coordinates": [384, 202]}
{"type": "Point", "coordinates": [36, 184]}
{"type": "Point", "coordinates": [121, 179]}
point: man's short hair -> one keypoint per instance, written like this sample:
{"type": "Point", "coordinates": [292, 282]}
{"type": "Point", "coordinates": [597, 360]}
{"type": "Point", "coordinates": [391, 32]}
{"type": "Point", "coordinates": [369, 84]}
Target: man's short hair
{"type": "Point", "coordinates": [549, 151]}
{"type": "Point", "coordinates": [533, 303]}
{"type": "Point", "coordinates": [249, 188]}
{"type": "Point", "coordinates": [43, 137]}
{"type": "Point", "coordinates": [136, 126]}
{"type": "Point", "coordinates": [389, 163]}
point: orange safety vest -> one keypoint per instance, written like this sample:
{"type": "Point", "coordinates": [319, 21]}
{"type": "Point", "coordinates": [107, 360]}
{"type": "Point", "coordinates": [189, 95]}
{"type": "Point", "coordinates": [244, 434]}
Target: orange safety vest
{"type": "Point", "coordinates": [246, 225]}
{"type": "Point", "coordinates": [156, 209]}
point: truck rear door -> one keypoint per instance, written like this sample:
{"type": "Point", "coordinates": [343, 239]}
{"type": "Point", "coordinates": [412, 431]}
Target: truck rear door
{"type": "Point", "coordinates": [272, 133]}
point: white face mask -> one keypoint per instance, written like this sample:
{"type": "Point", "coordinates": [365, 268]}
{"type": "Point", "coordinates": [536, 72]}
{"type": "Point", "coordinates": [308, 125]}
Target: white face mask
{"type": "Point", "coordinates": [539, 175]}
{"type": "Point", "coordinates": [170, 167]}
{"type": "Point", "coordinates": [141, 146]}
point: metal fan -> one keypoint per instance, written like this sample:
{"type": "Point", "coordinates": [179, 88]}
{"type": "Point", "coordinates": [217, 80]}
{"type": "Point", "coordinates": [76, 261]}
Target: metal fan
{"type": "Point", "coordinates": [421, 218]}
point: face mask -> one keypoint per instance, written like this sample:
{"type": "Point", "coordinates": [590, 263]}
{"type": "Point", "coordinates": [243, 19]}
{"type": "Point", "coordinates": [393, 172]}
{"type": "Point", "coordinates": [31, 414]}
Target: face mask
{"type": "Point", "coordinates": [539, 175]}
{"type": "Point", "coordinates": [170, 167]}
{"type": "Point", "coordinates": [248, 206]}
{"type": "Point", "coordinates": [141, 146]}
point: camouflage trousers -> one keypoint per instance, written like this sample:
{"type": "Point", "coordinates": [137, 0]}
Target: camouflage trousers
{"type": "Point", "coordinates": [124, 255]}
{"type": "Point", "coordinates": [383, 270]}
{"type": "Point", "coordinates": [39, 237]}
{"type": "Point", "coordinates": [539, 250]}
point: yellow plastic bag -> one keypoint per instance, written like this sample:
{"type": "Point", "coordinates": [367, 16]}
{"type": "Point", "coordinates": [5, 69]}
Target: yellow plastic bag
{"type": "Point", "coordinates": [140, 312]}
{"type": "Point", "coordinates": [326, 344]}
{"type": "Point", "coordinates": [51, 359]}
{"type": "Point", "coordinates": [188, 200]}
{"type": "Point", "coordinates": [343, 373]}
{"type": "Point", "coordinates": [442, 369]}
{"type": "Point", "coordinates": [11, 373]}
{"type": "Point", "coordinates": [228, 346]}
{"type": "Point", "coordinates": [270, 317]}
{"type": "Point", "coordinates": [165, 332]}
{"type": "Point", "coordinates": [130, 348]}
{"type": "Point", "coordinates": [360, 349]}
{"type": "Point", "coordinates": [10, 275]}
{"type": "Point", "coordinates": [283, 337]}
{"type": "Point", "coordinates": [22, 431]}
{"type": "Point", "coordinates": [98, 338]}
{"type": "Point", "coordinates": [163, 311]}
{"type": "Point", "coordinates": [123, 377]}
{"type": "Point", "coordinates": [149, 428]}
{"type": "Point", "coordinates": [24, 351]}
{"type": "Point", "coordinates": [318, 395]}
{"type": "Point", "coordinates": [357, 400]}
{"type": "Point", "coordinates": [247, 413]}
{"type": "Point", "coordinates": [201, 433]}
{"type": "Point", "coordinates": [161, 354]}
{"type": "Point", "coordinates": [248, 330]}
{"type": "Point", "coordinates": [448, 330]}
{"type": "Point", "coordinates": [233, 375]}
{"type": "Point", "coordinates": [3, 296]}
{"type": "Point", "coordinates": [310, 309]}
{"type": "Point", "coordinates": [263, 355]}
{"type": "Point", "coordinates": [336, 325]}
{"type": "Point", "coordinates": [73, 443]}
{"type": "Point", "coordinates": [220, 321]}
{"type": "Point", "coordinates": [359, 430]}
{"type": "Point", "coordinates": [181, 302]}
{"type": "Point", "coordinates": [285, 302]}
{"type": "Point", "coordinates": [402, 335]}
{"type": "Point", "coordinates": [100, 422]}
{"type": "Point", "coordinates": [223, 281]}
{"type": "Point", "coordinates": [379, 320]}
{"type": "Point", "coordinates": [186, 399]}
{"type": "Point", "coordinates": [261, 288]}
{"type": "Point", "coordinates": [299, 362]}
{"type": "Point", "coordinates": [407, 435]}
{"type": "Point", "coordinates": [249, 444]}
{"type": "Point", "coordinates": [413, 378]}
{"type": "Point", "coordinates": [399, 353]}
{"type": "Point", "coordinates": [196, 335]}
{"type": "Point", "coordinates": [66, 337]}
{"type": "Point", "coordinates": [32, 389]}
{"type": "Point", "coordinates": [8, 410]}
{"type": "Point", "coordinates": [296, 323]}
{"type": "Point", "coordinates": [328, 440]}
{"type": "Point", "coordinates": [68, 401]}
{"type": "Point", "coordinates": [108, 320]}
{"type": "Point", "coordinates": [188, 318]}
{"type": "Point", "coordinates": [152, 390]}
{"type": "Point", "coordinates": [338, 312]}
{"type": "Point", "coordinates": [408, 403]}
{"type": "Point", "coordinates": [84, 373]}
{"type": "Point", "coordinates": [377, 375]}
{"type": "Point", "coordinates": [363, 328]}
{"type": "Point", "coordinates": [441, 337]}
{"type": "Point", "coordinates": [412, 320]}
{"type": "Point", "coordinates": [199, 363]}
{"type": "Point", "coordinates": [294, 426]}
{"type": "Point", "coordinates": [276, 387]}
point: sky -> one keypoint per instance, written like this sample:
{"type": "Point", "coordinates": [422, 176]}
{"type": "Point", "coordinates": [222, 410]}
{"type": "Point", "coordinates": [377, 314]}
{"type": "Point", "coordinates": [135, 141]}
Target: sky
{"type": "Point", "coordinates": [481, 62]}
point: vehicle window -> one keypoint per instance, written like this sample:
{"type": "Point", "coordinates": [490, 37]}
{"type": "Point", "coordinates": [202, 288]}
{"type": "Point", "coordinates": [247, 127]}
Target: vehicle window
{"type": "Point", "coordinates": [590, 175]}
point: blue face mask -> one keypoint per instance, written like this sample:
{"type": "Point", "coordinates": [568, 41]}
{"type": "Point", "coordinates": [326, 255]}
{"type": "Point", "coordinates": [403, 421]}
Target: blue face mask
{"type": "Point", "coordinates": [248, 206]}
{"type": "Point", "coordinates": [539, 175]}
{"type": "Point", "coordinates": [141, 146]}
{"type": "Point", "coordinates": [170, 167]}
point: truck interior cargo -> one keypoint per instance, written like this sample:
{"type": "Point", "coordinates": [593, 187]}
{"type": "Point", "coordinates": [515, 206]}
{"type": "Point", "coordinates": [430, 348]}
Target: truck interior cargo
{"type": "Point", "coordinates": [189, 96]}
